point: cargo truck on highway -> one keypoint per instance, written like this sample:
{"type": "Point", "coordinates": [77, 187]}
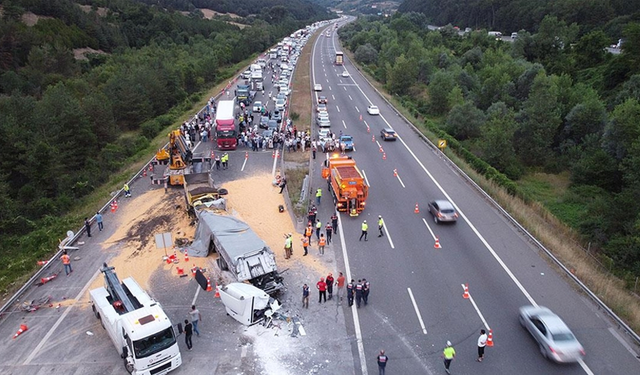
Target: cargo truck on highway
{"type": "Point", "coordinates": [226, 135]}
{"type": "Point", "coordinates": [339, 58]}
{"type": "Point", "coordinates": [346, 184]}
{"type": "Point", "coordinates": [138, 327]}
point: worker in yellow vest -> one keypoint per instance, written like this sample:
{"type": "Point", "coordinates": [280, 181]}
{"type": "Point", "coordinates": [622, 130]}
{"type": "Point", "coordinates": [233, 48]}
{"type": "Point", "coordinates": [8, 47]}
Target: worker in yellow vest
{"type": "Point", "coordinates": [318, 196]}
{"type": "Point", "coordinates": [288, 246]}
{"type": "Point", "coordinates": [448, 353]}
{"type": "Point", "coordinates": [365, 228]}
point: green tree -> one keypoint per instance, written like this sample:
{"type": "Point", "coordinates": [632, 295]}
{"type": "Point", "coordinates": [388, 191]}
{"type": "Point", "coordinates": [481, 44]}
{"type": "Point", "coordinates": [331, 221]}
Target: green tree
{"type": "Point", "coordinates": [402, 76]}
{"type": "Point", "coordinates": [497, 138]}
{"type": "Point", "coordinates": [366, 54]}
{"type": "Point", "coordinates": [442, 82]}
{"type": "Point", "coordinates": [590, 49]}
{"type": "Point", "coordinates": [464, 121]}
{"type": "Point", "coordinates": [585, 118]}
{"type": "Point", "coordinates": [538, 122]}
{"type": "Point", "coordinates": [622, 129]}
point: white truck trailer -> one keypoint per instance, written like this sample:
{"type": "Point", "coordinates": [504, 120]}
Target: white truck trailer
{"type": "Point", "coordinates": [140, 330]}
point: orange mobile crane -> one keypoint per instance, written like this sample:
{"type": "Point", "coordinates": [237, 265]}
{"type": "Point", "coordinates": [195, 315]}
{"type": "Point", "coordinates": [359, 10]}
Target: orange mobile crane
{"type": "Point", "coordinates": [180, 159]}
{"type": "Point", "coordinates": [346, 184]}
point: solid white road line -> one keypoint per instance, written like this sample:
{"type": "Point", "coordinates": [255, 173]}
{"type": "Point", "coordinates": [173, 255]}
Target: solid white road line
{"type": "Point", "coordinates": [243, 164]}
{"type": "Point", "coordinates": [585, 367]}
{"type": "Point", "coordinates": [59, 321]}
{"type": "Point", "coordinates": [430, 231]}
{"type": "Point", "coordinates": [195, 296]}
{"type": "Point", "coordinates": [401, 183]}
{"type": "Point", "coordinates": [365, 178]}
{"type": "Point", "coordinates": [388, 236]}
{"type": "Point", "coordinates": [484, 321]}
{"type": "Point", "coordinates": [415, 306]}
{"type": "Point", "coordinates": [354, 311]}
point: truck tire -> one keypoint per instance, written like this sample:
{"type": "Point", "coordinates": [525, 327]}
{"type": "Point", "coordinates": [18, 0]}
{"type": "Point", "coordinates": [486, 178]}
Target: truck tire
{"type": "Point", "coordinates": [95, 312]}
{"type": "Point", "coordinates": [128, 366]}
{"type": "Point", "coordinates": [223, 191]}
{"type": "Point", "coordinates": [222, 264]}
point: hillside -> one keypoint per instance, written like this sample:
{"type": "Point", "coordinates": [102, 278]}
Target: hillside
{"type": "Point", "coordinates": [508, 16]}
{"type": "Point", "coordinates": [85, 85]}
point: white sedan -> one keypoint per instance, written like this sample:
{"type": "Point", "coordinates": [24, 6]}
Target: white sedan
{"type": "Point", "coordinates": [373, 110]}
{"type": "Point", "coordinates": [257, 106]}
{"type": "Point", "coordinates": [317, 87]}
{"type": "Point", "coordinates": [345, 74]}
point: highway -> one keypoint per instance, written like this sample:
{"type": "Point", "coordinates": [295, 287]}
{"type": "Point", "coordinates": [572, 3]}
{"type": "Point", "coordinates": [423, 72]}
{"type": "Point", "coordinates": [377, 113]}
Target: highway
{"type": "Point", "coordinates": [416, 302]}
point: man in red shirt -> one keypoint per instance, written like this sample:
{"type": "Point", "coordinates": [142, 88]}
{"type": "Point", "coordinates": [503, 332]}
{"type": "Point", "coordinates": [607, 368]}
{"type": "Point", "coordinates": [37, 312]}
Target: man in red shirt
{"type": "Point", "coordinates": [322, 290]}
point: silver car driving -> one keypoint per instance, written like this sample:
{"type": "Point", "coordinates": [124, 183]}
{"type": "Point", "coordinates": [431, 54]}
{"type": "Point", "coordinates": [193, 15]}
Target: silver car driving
{"type": "Point", "coordinates": [443, 211]}
{"type": "Point", "coordinates": [555, 340]}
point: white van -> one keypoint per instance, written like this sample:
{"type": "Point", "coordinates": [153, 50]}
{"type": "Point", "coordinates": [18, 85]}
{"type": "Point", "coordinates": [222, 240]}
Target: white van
{"type": "Point", "coordinates": [495, 34]}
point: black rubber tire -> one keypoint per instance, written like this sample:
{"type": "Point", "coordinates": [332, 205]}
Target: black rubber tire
{"type": "Point", "coordinates": [222, 264]}
{"type": "Point", "coordinates": [95, 312]}
{"type": "Point", "coordinates": [223, 191]}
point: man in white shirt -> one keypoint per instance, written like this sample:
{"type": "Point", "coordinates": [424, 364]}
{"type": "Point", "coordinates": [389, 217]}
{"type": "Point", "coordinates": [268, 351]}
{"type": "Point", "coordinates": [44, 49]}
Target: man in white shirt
{"type": "Point", "coordinates": [482, 342]}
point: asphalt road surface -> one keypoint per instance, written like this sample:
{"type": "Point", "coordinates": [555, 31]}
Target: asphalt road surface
{"type": "Point", "coordinates": [416, 302]}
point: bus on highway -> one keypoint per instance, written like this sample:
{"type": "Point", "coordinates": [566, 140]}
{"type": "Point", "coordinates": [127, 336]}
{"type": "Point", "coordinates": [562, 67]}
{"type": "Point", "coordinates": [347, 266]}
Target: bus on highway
{"type": "Point", "coordinates": [226, 134]}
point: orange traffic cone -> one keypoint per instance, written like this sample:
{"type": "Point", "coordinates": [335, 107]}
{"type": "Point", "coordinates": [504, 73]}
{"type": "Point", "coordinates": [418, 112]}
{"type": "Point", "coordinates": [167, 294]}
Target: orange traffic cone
{"type": "Point", "coordinates": [186, 255]}
{"type": "Point", "coordinates": [113, 208]}
{"type": "Point", "coordinates": [384, 156]}
{"type": "Point", "coordinates": [193, 270]}
{"type": "Point", "coordinates": [416, 210]}
{"type": "Point", "coordinates": [395, 173]}
{"type": "Point", "coordinates": [381, 150]}
{"type": "Point", "coordinates": [23, 329]}
{"type": "Point", "coordinates": [490, 338]}
{"type": "Point", "coordinates": [144, 173]}
{"type": "Point", "coordinates": [42, 262]}
{"type": "Point", "coordinates": [368, 129]}
{"type": "Point", "coordinates": [466, 291]}
{"type": "Point", "coordinates": [273, 155]}
{"type": "Point", "coordinates": [246, 155]}
{"type": "Point", "coordinates": [217, 295]}
{"type": "Point", "coordinates": [150, 167]}
{"type": "Point", "coordinates": [360, 117]}
{"type": "Point", "coordinates": [437, 245]}
{"type": "Point", "coordinates": [373, 138]}
{"type": "Point", "coordinates": [209, 285]}
{"type": "Point", "coordinates": [180, 270]}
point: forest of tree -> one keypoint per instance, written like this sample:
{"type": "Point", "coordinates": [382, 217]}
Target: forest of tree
{"type": "Point", "coordinates": [551, 101]}
{"type": "Point", "coordinates": [514, 15]}
{"type": "Point", "coordinates": [67, 125]}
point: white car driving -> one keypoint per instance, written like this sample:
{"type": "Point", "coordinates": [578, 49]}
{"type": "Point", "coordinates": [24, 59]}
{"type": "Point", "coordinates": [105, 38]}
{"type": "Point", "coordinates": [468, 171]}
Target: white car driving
{"type": "Point", "coordinates": [373, 110]}
{"type": "Point", "coordinates": [317, 87]}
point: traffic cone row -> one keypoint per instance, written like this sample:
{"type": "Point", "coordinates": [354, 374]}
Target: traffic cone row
{"type": "Point", "coordinates": [490, 338]}
{"type": "Point", "coordinates": [23, 329]}
{"type": "Point", "coordinates": [466, 291]}
{"type": "Point", "coordinates": [437, 245]}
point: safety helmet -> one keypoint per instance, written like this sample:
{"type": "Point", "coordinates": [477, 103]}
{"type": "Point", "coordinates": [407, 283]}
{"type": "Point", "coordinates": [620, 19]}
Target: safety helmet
{"type": "Point", "coordinates": [448, 343]}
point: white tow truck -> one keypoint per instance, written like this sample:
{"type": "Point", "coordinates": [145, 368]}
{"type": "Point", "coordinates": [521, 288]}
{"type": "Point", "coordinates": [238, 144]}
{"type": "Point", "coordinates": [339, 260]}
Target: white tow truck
{"type": "Point", "coordinates": [139, 328]}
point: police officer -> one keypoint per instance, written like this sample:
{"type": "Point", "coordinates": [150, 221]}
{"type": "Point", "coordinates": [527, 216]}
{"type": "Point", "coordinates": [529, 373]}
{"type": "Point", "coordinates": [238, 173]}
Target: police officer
{"type": "Point", "coordinates": [365, 228]}
{"type": "Point", "coordinates": [329, 230]}
{"type": "Point", "coordinates": [365, 291]}
{"type": "Point", "coordinates": [359, 292]}
{"type": "Point", "coordinates": [350, 291]}
{"type": "Point", "coordinates": [334, 223]}
{"type": "Point", "coordinates": [380, 226]}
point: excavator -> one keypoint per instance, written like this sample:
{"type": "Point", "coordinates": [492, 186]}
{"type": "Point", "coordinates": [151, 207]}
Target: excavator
{"type": "Point", "coordinates": [180, 159]}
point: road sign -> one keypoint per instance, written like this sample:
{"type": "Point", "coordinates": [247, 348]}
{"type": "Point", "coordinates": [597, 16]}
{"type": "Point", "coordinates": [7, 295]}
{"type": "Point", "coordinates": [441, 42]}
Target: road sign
{"type": "Point", "coordinates": [442, 144]}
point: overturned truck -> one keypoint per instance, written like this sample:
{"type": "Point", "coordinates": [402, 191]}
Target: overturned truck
{"type": "Point", "coordinates": [240, 250]}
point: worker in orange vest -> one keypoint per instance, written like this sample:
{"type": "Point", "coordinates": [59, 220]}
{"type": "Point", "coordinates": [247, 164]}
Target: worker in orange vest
{"type": "Point", "coordinates": [309, 232]}
{"type": "Point", "coordinates": [66, 261]}
{"type": "Point", "coordinates": [321, 244]}
{"type": "Point", "coordinates": [305, 245]}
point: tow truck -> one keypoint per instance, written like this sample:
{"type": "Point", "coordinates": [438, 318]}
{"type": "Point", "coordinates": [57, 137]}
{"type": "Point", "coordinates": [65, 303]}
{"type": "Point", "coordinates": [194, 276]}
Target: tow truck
{"type": "Point", "coordinates": [138, 327]}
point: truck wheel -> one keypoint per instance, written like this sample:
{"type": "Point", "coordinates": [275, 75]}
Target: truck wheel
{"type": "Point", "coordinates": [101, 322]}
{"type": "Point", "coordinates": [95, 312]}
{"type": "Point", "coordinates": [223, 191]}
{"type": "Point", "coordinates": [222, 264]}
